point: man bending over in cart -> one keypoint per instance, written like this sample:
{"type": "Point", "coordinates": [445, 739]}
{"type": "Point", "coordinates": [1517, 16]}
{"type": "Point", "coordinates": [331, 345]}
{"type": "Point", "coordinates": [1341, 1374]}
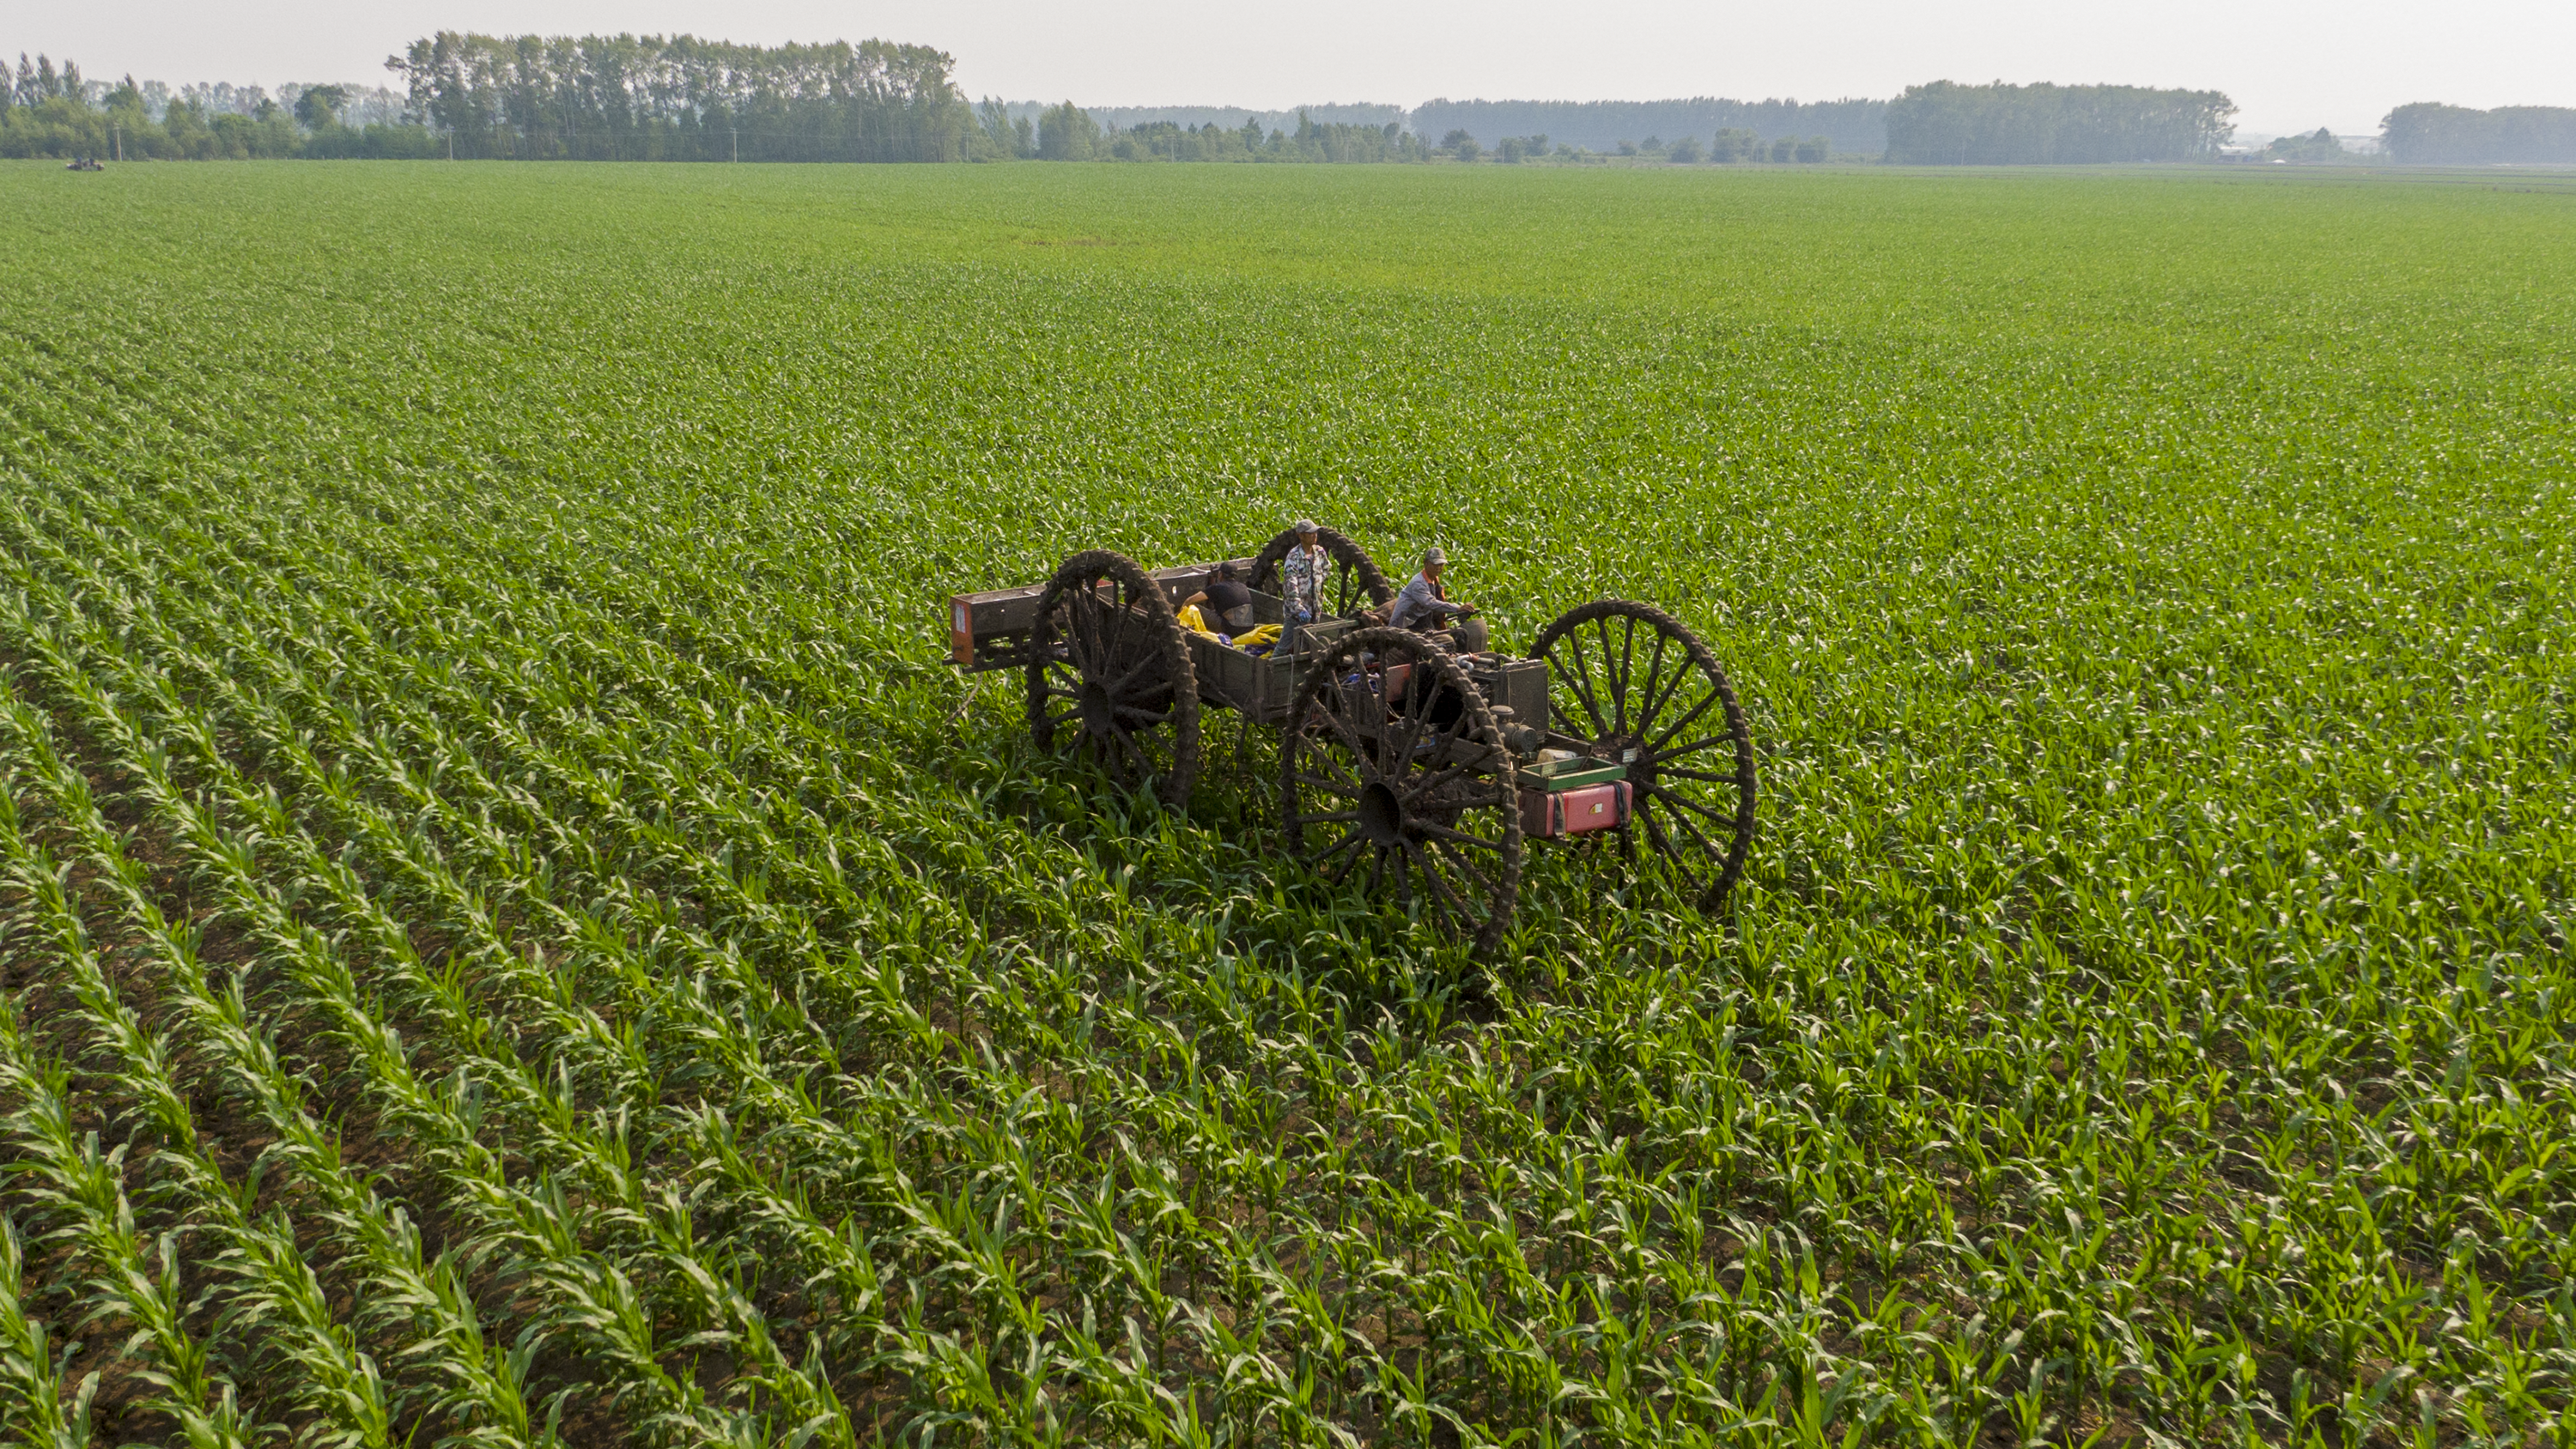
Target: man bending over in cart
{"type": "Point", "coordinates": [1225, 601]}
{"type": "Point", "coordinates": [1425, 607]}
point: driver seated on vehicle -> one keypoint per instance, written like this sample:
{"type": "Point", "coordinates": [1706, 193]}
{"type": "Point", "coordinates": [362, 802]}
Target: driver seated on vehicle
{"type": "Point", "coordinates": [1425, 607]}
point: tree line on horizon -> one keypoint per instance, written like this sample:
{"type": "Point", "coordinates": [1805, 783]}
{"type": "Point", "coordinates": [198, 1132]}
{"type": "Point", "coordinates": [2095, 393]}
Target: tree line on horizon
{"type": "Point", "coordinates": [50, 111]}
{"type": "Point", "coordinates": [1949, 124]}
{"type": "Point", "coordinates": [680, 98]}
{"type": "Point", "coordinates": [474, 96]}
{"type": "Point", "coordinates": [1066, 132]}
{"type": "Point", "coordinates": [2428, 133]}
{"type": "Point", "coordinates": [1851, 126]}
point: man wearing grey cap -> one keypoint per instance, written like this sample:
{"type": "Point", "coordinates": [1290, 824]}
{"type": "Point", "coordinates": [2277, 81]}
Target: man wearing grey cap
{"type": "Point", "coordinates": [1425, 605]}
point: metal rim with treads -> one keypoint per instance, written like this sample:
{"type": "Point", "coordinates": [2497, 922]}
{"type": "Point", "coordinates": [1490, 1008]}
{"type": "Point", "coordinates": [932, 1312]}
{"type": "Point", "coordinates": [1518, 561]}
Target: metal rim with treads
{"type": "Point", "coordinates": [1357, 582]}
{"type": "Point", "coordinates": [1110, 677]}
{"type": "Point", "coordinates": [1393, 772]}
{"type": "Point", "coordinates": [1640, 688]}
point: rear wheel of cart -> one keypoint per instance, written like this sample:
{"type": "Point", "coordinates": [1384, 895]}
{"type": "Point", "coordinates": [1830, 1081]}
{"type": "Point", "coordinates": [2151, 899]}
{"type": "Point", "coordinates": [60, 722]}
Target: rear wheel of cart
{"type": "Point", "coordinates": [1355, 583]}
{"type": "Point", "coordinates": [1640, 688]}
{"type": "Point", "coordinates": [1110, 678]}
{"type": "Point", "coordinates": [1393, 773]}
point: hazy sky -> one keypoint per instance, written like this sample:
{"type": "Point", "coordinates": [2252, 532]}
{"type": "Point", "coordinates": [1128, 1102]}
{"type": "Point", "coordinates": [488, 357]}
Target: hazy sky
{"type": "Point", "coordinates": [2288, 66]}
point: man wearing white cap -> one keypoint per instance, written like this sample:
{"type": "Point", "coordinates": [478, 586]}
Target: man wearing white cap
{"type": "Point", "coordinates": [1301, 580]}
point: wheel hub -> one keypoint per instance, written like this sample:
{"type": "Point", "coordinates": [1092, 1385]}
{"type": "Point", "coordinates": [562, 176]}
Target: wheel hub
{"type": "Point", "coordinates": [1381, 814]}
{"type": "Point", "coordinates": [1099, 711]}
{"type": "Point", "coordinates": [1625, 750]}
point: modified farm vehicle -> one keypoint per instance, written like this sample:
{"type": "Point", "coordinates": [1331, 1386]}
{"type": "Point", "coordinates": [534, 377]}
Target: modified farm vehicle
{"type": "Point", "coordinates": [1419, 771]}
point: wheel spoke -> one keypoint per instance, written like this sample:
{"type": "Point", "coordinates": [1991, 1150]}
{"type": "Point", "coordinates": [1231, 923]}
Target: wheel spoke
{"type": "Point", "coordinates": [1459, 859]}
{"type": "Point", "coordinates": [1627, 663]}
{"type": "Point", "coordinates": [1657, 743]}
{"type": "Point", "coordinates": [1074, 613]}
{"type": "Point", "coordinates": [1610, 677]}
{"type": "Point", "coordinates": [1328, 760]}
{"type": "Point", "coordinates": [1466, 801]}
{"type": "Point", "coordinates": [1355, 761]}
{"type": "Point", "coordinates": [1453, 740]}
{"type": "Point", "coordinates": [1438, 831]}
{"type": "Point", "coordinates": [1446, 897]}
{"type": "Point", "coordinates": [1580, 679]}
{"type": "Point", "coordinates": [1091, 654]}
{"type": "Point", "coordinates": [1342, 726]}
{"type": "Point", "coordinates": [1346, 791]}
{"type": "Point", "coordinates": [1059, 664]}
{"type": "Point", "coordinates": [1427, 690]}
{"type": "Point", "coordinates": [1118, 686]}
{"type": "Point", "coordinates": [1144, 762]}
{"type": "Point", "coordinates": [1433, 782]}
{"type": "Point", "coordinates": [1416, 716]}
{"type": "Point", "coordinates": [1685, 802]}
{"type": "Point", "coordinates": [1655, 834]}
{"type": "Point", "coordinates": [1342, 872]}
{"type": "Point", "coordinates": [1087, 627]}
{"type": "Point", "coordinates": [1658, 686]}
{"type": "Point", "coordinates": [1709, 776]}
{"type": "Point", "coordinates": [1694, 747]}
{"type": "Point", "coordinates": [1115, 634]}
{"type": "Point", "coordinates": [1705, 843]}
{"type": "Point", "coordinates": [1326, 818]}
{"type": "Point", "coordinates": [1459, 750]}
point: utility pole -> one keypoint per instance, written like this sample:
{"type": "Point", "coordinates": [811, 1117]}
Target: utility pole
{"type": "Point", "coordinates": [118, 132]}
{"type": "Point", "coordinates": [736, 134]}
{"type": "Point", "coordinates": [451, 145]}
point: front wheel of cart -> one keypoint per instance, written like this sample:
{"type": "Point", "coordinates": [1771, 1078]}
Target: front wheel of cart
{"type": "Point", "coordinates": [1639, 688]}
{"type": "Point", "coordinates": [1110, 678]}
{"type": "Point", "coordinates": [1393, 772]}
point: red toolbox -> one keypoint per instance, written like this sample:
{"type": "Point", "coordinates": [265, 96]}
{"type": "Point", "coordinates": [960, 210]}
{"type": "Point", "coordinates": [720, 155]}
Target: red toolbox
{"type": "Point", "coordinates": [1548, 813]}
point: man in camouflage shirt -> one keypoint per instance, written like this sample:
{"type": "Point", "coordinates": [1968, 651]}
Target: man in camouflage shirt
{"type": "Point", "coordinates": [1301, 580]}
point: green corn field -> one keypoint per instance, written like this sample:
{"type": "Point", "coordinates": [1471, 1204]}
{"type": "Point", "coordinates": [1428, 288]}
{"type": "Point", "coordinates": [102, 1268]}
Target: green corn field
{"type": "Point", "coordinates": [515, 935]}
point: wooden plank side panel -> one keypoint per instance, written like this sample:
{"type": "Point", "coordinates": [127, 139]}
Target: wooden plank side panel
{"type": "Point", "coordinates": [975, 618]}
{"type": "Point", "coordinates": [978, 622]}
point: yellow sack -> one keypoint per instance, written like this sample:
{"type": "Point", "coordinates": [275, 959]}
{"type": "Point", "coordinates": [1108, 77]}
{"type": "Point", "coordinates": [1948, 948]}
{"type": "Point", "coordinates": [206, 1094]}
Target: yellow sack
{"type": "Point", "coordinates": [1192, 620]}
{"type": "Point", "coordinates": [1258, 634]}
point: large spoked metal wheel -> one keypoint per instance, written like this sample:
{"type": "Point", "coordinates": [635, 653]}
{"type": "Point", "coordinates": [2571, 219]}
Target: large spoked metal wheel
{"type": "Point", "coordinates": [1110, 678]}
{"type": "Point", "coordinates": [1393, 772]}
{"type": "Point", "coordinates": [1640, 688]}
{"type": "Point", "coordinates": [1356, 582]}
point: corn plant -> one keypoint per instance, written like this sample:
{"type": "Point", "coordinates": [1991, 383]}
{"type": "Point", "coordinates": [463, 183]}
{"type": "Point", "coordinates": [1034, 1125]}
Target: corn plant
{"type": "Point", "coordinates": [32, 1364]}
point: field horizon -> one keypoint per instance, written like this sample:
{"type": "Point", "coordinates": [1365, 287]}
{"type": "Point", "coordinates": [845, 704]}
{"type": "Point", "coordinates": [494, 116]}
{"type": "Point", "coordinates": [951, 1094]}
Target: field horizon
{"type": "Point", "coordinates": [477, 630]}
